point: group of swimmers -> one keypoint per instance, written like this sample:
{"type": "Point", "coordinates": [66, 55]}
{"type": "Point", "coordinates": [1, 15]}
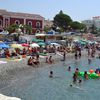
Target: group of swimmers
{"type": "Point", "coordinates": [34, 60]}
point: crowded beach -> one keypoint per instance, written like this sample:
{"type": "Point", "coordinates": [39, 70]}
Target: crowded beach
{"type": "Point", "coordinates": [31, 56]}
{"type": "Point", "coordinates": [37, 49]}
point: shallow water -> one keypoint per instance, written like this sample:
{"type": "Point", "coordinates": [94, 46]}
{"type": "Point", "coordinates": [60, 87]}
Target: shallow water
{"type": "Point", "coordinates": [34, 83]}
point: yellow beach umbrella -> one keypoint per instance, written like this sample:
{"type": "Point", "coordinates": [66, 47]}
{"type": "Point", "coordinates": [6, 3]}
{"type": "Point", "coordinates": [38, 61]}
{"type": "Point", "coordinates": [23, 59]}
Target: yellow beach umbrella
{"type": "Point", "coordinates": [17, 46]}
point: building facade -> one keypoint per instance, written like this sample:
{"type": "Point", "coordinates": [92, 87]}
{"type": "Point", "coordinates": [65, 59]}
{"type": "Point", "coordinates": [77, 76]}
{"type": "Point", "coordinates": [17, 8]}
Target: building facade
{"type": "Point", "coordinates": [48, 23]}
{"type": "Point", "coordinates": [9, 18]}
{"type": "Point", "coordinates": [88, 23]}
{"type": "Point", "coordinates": [96, 21]}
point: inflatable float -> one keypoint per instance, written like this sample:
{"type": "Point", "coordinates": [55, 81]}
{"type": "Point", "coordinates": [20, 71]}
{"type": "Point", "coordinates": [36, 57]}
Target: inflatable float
{"type": "Point", "coordinates": [90, 75]}
{"type": "Point", "coordinates": [43, 54]}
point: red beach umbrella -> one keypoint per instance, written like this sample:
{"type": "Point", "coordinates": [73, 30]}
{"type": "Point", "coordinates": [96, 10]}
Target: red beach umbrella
{"type": "Point", "coordinates": [25, 45]}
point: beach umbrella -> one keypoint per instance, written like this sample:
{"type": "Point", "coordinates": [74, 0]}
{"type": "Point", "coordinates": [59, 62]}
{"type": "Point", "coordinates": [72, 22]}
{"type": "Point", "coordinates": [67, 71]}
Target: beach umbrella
{"type": "Point", "coordinates": [25, 45]}
{"type": "Point", "coordinates": [3, 46]}
{"type": "Point", "coordinates": [36, 40]}
{"type": "Point", "coordinates": [17, 46]}
{"type": "Point", "coordinates": [41, 44]}
{"type": "Point", "coordinates": [75, 40]}
{"type": "Point", "coordinates": [34, 45]}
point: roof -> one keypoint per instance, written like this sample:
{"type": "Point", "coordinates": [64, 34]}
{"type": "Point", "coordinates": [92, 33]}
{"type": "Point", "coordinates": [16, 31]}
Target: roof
{"type": "Point", "coordinates": [19, 14]}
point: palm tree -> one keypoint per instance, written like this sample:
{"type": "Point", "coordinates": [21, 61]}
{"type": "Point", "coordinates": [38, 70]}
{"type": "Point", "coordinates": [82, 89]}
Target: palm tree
{"type": "Point", "coordinates": [28, 28]}
{"type": "Point", "coordinates": [12, 28]}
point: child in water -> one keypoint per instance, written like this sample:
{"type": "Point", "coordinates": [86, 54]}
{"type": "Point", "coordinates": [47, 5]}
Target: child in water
{"type": "Point", "coordinates": [51, 74]}
{"type": "Point", "coordinates": [69, 68]}
{"type": "Point", "coordinates": [85, 75]}
{"type": "Point", "coordinates": [80, 81]}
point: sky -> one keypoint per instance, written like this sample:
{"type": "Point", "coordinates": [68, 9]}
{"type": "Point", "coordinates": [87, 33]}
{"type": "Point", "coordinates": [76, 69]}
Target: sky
{"type": "Point", "coordinates": [78, 10]}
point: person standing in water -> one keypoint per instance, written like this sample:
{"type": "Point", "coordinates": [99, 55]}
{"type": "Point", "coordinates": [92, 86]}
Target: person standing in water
{"type": "Point", "coordinates": [89, 61]}
{"type": "Point", "coordinates": [74, 78]}
{"type": "Point", "coordinates": [64, 55]}
{"type": "Point", "coordinates": [79, 52]}
{"type": "Point", "coordinates": [76, 55]}
{"type": "Point", "coordinates": [85, 75]}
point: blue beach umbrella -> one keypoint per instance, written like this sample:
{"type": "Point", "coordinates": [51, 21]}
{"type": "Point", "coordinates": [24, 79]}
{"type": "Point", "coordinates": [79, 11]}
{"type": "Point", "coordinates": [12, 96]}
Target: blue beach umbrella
{"type": "Point", "coordinates": [3, 46]}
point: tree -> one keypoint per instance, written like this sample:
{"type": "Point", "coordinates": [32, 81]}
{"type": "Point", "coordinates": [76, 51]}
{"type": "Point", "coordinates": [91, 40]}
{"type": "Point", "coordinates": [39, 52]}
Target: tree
{"type": "Point", "coordinates": [12, 28]}
{"type": "Point", "coordinates": [46, 29]}
{"type": "Point", "coordinates": [62, 20]}
{"type": "Point", "coordinates": [93, 29]}
{"type": "Point", "coordinates": [75, 25]}
{"type": "Point", "coordinates": [28, 28]}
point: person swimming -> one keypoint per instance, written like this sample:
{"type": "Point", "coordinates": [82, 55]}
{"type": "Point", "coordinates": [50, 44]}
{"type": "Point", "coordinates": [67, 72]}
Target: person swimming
{"type": "Point", "coordinates": [71, 85]}
{"type": "Point", "coordinates": [80, 81]}
{"type": "Point", "coordinates": [51, 74]}
{"type": "Point", "coordinates": [69, 68]}
{"type": "Point", "coordinates": [85, 75]}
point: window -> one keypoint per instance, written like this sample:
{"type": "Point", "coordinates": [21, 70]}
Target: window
{"type": "Point", "coordinates": [37, 24]}
{"type": "Point", "coordinates": [29, 23]}
{"type": "Point", "coordinates": [0, 22]}
{"type": "Point", "coordinates": [17, 22]}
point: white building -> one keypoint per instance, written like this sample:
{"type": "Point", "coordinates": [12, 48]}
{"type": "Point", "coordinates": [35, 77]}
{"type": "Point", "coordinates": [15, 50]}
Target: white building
{"type": "Point", "coordinates": [48, 23]}
{"type": "Point", "coordinates": [96, 21]}
{"type": "Point", "coordinates": [88, 23]}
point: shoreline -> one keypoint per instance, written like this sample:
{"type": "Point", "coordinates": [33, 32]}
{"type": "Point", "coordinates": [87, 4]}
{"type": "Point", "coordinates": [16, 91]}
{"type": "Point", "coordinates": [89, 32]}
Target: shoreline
{"type": "Point", "coordinates": [15, 66]}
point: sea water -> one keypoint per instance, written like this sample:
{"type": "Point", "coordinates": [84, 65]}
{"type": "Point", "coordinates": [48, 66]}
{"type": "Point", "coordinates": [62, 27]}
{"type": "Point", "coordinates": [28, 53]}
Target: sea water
{"type": "Point", "coordinates": [35, 84]}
